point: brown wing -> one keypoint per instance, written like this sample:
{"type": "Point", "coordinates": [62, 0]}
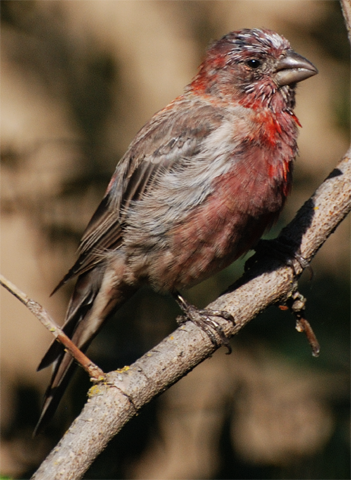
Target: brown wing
{"type": "Point", "coordinates": [169, 137]}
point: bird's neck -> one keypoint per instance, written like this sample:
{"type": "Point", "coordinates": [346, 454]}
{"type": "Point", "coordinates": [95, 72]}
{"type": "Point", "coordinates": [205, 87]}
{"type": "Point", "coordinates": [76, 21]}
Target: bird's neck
{"type": "Point", "coordinates": [267, 94]}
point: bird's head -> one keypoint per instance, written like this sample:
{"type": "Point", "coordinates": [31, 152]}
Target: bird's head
{"type": "Point", "coordinates": [256, 67]}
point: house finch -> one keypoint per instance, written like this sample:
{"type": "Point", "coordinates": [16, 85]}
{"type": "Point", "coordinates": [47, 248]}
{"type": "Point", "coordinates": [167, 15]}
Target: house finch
{"type": "Point", "coordinates": [196, 189]}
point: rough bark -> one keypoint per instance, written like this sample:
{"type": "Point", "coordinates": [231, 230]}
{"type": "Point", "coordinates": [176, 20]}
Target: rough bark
{"type": "Point", "coordinates": [115, 401]}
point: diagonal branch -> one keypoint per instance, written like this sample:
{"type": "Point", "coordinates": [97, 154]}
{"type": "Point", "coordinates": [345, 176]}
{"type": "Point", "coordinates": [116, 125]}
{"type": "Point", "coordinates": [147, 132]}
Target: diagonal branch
{"type": "Point", "coordinates": [115, 401]}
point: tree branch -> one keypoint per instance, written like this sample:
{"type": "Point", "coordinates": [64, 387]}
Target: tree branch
{"type": "Point", "coordinates": [115, 401]}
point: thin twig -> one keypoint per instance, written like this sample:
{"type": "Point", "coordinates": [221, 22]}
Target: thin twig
{"type": "Point", "coordinates": [95, 373]}
{"type": "Point", "coordinates": [297, 304]}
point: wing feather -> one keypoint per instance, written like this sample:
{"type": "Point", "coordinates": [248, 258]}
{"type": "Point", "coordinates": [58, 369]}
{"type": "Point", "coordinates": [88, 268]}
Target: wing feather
{"type": "Point", "coordinates": [165, 141]}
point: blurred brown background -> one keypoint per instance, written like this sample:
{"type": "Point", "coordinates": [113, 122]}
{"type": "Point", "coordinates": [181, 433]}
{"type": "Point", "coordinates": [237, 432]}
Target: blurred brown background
{"type": "Point", "coordinates": [79, 78]}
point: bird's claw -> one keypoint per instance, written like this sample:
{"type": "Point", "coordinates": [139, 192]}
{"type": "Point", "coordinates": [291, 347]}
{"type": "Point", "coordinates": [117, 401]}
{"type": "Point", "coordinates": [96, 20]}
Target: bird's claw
{"type": "Point", "coordinates": [283, 250]}
{"type": "Point", "coordinates": [204, 319]}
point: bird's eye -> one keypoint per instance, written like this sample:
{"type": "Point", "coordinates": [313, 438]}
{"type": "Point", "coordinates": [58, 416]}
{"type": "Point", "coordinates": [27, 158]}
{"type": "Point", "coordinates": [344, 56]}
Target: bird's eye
{"type": "Point", "coordinates": [253, 63]}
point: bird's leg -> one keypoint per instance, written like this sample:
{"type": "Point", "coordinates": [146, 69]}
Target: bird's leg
{"type": "Point", "coordinates": [279, 248]}
{"type": "Point", "coordinates": [204, 320]}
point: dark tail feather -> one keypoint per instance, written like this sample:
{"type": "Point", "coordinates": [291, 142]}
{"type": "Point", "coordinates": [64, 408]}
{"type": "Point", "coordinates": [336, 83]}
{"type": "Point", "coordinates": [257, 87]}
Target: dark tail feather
{"type": "Point", "coordinates": [63, 372]}
{"type": "Point", "coordinates": [78, 315]}
{"type": "Point", "coordinates": [72, 272]}
{"type": "Point", "coordinates": [55, 350]}
{"type": "Point", "coordinates": [92, 303]}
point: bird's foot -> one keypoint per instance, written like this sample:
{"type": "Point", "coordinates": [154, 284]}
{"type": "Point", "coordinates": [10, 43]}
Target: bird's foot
{"type": "Point", "coordinates": [282, 249]}
{"type": "Point", "coordinates": [204, 319]}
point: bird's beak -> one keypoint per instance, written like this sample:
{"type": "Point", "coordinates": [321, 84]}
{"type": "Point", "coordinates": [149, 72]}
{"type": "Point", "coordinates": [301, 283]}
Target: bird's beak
{"type": "Point", "coordinates": [293, 68]}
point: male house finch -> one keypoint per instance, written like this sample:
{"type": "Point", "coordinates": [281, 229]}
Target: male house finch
{"type": "Point", "coordinates": [196, 189]}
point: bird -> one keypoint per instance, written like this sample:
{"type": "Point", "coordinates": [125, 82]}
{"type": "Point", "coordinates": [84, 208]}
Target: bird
{"type": "Point", "coordinates": [198, 186]}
